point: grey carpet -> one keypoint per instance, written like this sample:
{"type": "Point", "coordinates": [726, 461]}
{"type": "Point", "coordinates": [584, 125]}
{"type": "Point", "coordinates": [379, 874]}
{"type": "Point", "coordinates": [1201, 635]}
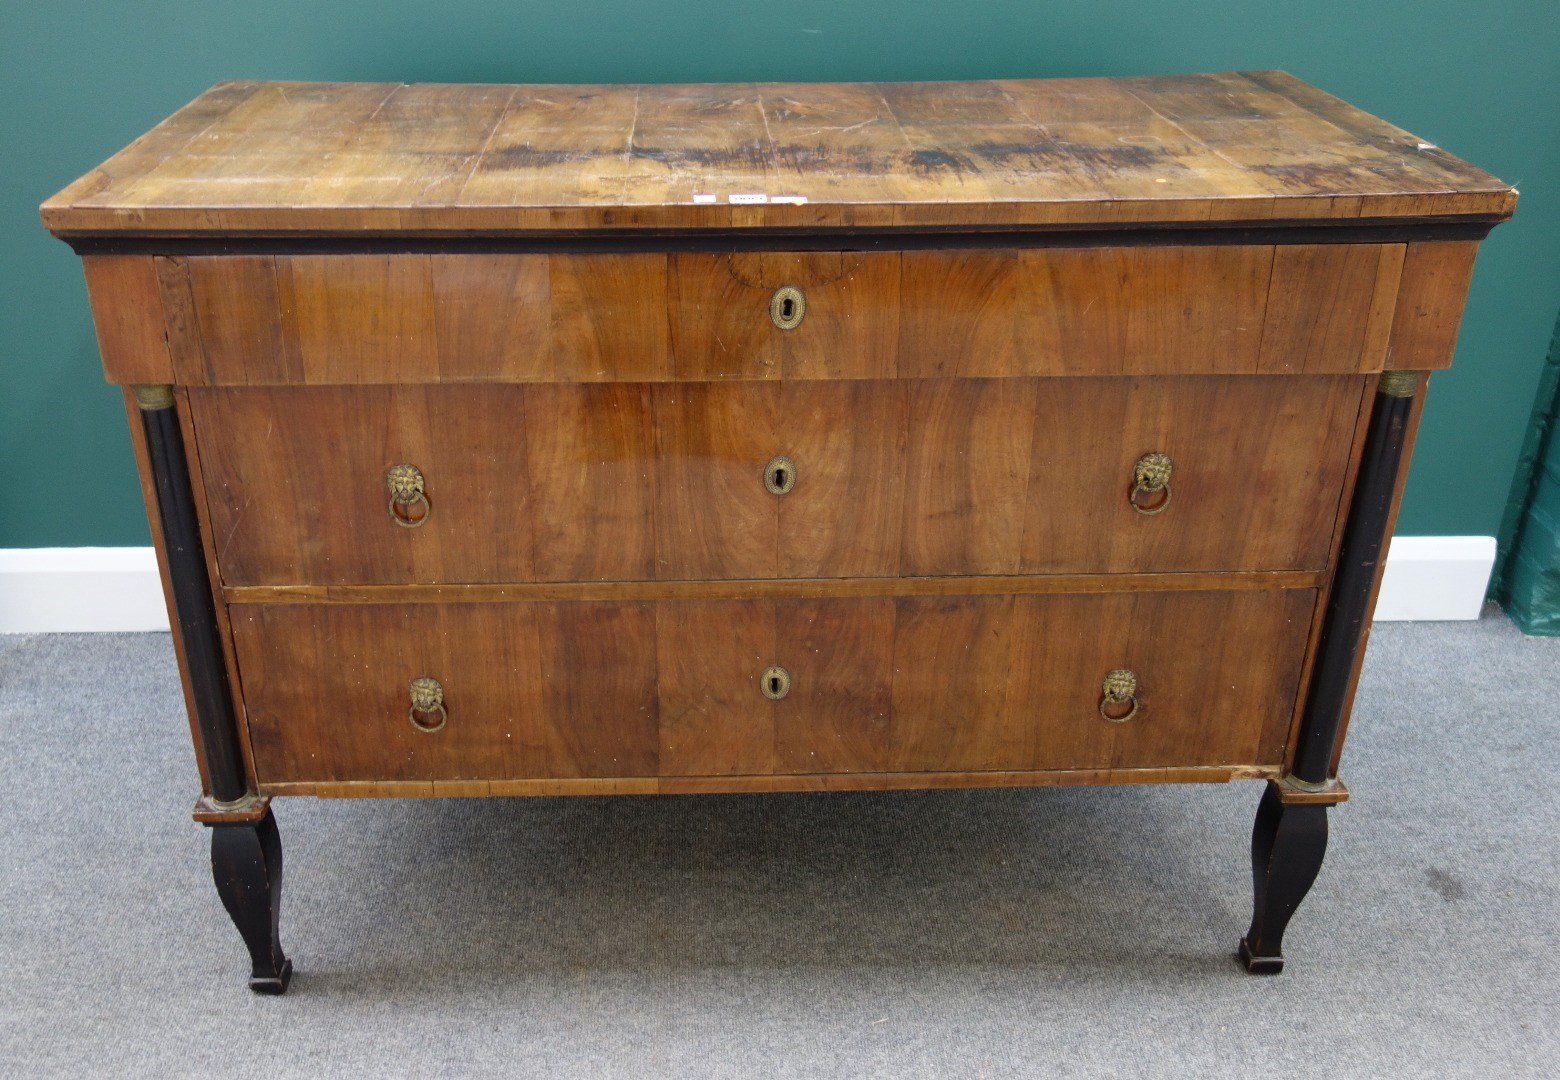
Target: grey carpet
{"type": "Point", "coordinates": [1055, 933]}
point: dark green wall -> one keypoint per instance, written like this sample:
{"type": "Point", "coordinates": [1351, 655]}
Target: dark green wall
{"type": "Point", "coordinates": [79, 79]}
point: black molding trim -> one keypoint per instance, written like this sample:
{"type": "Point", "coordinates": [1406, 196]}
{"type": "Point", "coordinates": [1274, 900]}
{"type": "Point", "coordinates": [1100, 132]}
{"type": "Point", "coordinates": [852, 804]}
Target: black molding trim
{"type": "Point", "coordinates": [1344, 627]}
{"type": "Point", "coordinates": [1363, 231]}
{"type": "Point", "coordinates": [196, 612]}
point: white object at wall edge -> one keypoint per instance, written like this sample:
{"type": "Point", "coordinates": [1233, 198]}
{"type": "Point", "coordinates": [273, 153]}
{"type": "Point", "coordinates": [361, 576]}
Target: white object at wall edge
{"type": "Point", "coordinates": [1435, 578]}
{"type": "Point", "coordinates": [70, 590]}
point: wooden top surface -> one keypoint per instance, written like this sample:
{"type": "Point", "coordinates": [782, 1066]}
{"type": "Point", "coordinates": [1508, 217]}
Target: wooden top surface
{"type": "Point", "coordinates": [271, 158]}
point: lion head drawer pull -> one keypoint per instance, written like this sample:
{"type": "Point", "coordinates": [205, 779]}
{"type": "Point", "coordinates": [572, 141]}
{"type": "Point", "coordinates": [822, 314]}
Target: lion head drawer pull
{"type": "Point", "coordinates": [1118, 696]}
{"type": "Point", "coordinates": [787, 306]}
{"type": "Point", "coordinates": [1151, 483]}
{"type": "Point", "coordinates": [427, 712]}
{"type": "Point", "coordinates": [409, 506]}
{"type": "Point", "coordinates": [779, 475]}
{"type": "Point", "coordinates": [775, 682]}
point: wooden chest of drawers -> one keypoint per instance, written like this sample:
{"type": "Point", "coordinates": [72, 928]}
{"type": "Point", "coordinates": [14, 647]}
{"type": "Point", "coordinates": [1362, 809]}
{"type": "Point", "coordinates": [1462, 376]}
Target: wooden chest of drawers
{"type": "Point", "coordinates": [549, 440]}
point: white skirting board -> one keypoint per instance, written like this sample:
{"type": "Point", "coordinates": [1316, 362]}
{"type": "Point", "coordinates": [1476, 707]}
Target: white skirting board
{"type": "Point", "coordinates": [63, 590]}
{"type": "Point", "coordinates": [1435, 578]}
{"type": "Point", "coordinates": [54, 590]}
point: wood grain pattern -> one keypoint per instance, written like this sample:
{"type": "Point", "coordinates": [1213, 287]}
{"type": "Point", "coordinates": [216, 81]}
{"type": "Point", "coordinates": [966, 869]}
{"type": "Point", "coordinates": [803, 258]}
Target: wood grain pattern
{"type": "Point", "coordinates": [537, 691]}
{"type": "Point", "coordinates": [350, 313]}
{"type": "Point", "coordinates": [490, 315]}
{"type": "Point", "coordinates": [842, 659]}
{"type": "Point", "coordinates": [609, 317]}
{"type": "Point", "coordinates": [591, 473]}
{"type": "Point", "coordinates": [266, 150]}
{"type": "Point", "coordinates": [416, 318]}
{"type": "Point", "coordinates": [710, 657]}
{"type": "Point", "coordinates": [181, 320]}
{"type": "Point", "coordinates": [157, 146]}
{"type": "Point", "coordinates": [796, 782]}
{"type": "Point", "coordinates": [954, 695]}
{"type": "Point", "coordinates": [240, 324]}
{"type": "Point", "coordinates": [313, 158]}
{"type": "Point", "coordinates": [295, 483]}
{"type": "Point", "coordinates": [721, 327]}
{"type": "Point", "coordinates": [634, 481]}
{"type": "Point", "coordinates": [967, 465]}
{"type": "Point", "coordinates": [714, 518]}
{"type": "Point", "coordinates": [753, 588]}
{"type": "Point", "coordinates": [1430, 305]}
{"type": "Point", "coordinates": [127, 313]}
{"type": "Point", "coordinates": [1108, 311]}
{"type": "Point", "coordinates": [847, 441]}
{"type": "Point", "coordinates": [960, 315]}
{"type": "Point", "coordinates": [1217, 673]}
{"type": "Point", "coordinates": [1258, 463]}
{"type": "Point", "coordinates": [532, 691]}
{"type": "Point", "coordinates": [1327, 304]}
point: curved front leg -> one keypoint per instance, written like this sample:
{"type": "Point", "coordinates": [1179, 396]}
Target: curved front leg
{"type": "Point", "coordinates": [1287, 846]}
{"type": "Point", "coordinates": [246, 861]}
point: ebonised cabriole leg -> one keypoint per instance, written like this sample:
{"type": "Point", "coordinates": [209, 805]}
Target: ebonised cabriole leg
{"type": "Point", "coordinates": [1287, 846]}
{"type": "Point", "coordinates": [246, 850]}
{"type": "Point", "coordinates": [1290, 835]}
{"type": "Point", "coordinates": [246, 861]}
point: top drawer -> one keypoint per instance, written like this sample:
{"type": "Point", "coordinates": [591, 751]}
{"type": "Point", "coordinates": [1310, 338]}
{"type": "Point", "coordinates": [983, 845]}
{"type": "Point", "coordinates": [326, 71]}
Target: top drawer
{"type": "Point", "coordinates": [659, 317]}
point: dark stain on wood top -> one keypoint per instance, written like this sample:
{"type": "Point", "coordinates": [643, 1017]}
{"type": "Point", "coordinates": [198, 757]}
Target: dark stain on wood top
{"type": "Point", "coordinates": [300, 159]}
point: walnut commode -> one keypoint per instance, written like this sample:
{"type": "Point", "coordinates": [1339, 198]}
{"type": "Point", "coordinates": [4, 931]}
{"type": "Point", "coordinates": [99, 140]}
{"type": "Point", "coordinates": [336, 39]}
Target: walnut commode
{"type": "Point", "coordinates": [543, 440]}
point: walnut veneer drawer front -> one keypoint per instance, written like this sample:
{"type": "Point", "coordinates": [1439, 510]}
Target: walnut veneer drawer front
{"type": "Point", "coordinates": [1241, 309]}
{"type": "Point", "coordinates": [755, 687]}
{"type": "Point", "coordinates": [881, 478]}
{"type": "Point", "coordinates": [514, 440]}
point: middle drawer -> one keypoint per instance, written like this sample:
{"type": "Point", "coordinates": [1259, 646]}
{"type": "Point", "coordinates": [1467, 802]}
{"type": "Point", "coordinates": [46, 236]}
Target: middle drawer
{"type": "Point", "coordinates": [877, 478]}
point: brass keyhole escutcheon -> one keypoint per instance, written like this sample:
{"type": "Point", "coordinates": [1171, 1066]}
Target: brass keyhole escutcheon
{"type": "Point", "coordinates": [775, 682]}
{"type": "Point", "coordinates": [787, 306]}
{"type": "Point", "coordinates": [779, 475]}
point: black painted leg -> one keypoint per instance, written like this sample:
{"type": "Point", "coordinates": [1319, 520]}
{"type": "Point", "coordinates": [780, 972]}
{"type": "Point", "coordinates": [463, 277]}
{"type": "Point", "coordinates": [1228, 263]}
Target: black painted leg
{"type": "Point", "coordinates": [1290, 836]}
{"type": "Point", "coordinates": [246, 850]}
{"type": "Point", "coordinates": [1287, 845]}
{"type": "Point", "coordinates": [246, 861]}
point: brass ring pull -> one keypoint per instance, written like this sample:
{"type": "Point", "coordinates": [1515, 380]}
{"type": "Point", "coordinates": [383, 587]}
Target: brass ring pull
{"type": "Point", "coordinates": [779, 475]}
{"type": "Point", "coordinates": [1119, 688]}
{"type": "Point", "coordinates": [406, 496]}
{"type": "Point", "coordinates": [775, 682]}
{"type": "Point", "coordinates": [787, 306]}
{"type": "Point", "coordinates": [427, 701]}
{"type": "Point", "coordinates": [1151, 483]}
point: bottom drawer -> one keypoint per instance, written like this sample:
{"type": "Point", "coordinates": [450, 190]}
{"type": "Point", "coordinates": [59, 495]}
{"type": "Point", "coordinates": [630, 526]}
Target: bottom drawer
{"type": "Point", "coordinates": [754, 687]}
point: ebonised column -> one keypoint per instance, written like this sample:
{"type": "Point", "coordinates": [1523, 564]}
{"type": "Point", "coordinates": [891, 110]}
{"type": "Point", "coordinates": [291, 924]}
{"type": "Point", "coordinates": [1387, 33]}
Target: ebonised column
{"type": "Point", "coordinates": [246, 849]}
{"type": "Point", "coordinates": [1289, 839]}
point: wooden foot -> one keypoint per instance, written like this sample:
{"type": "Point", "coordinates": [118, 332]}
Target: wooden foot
{"type": "Point", "coordinates": [246, 861]}
{"type": "Point", "coordinates": [1287, 846]}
